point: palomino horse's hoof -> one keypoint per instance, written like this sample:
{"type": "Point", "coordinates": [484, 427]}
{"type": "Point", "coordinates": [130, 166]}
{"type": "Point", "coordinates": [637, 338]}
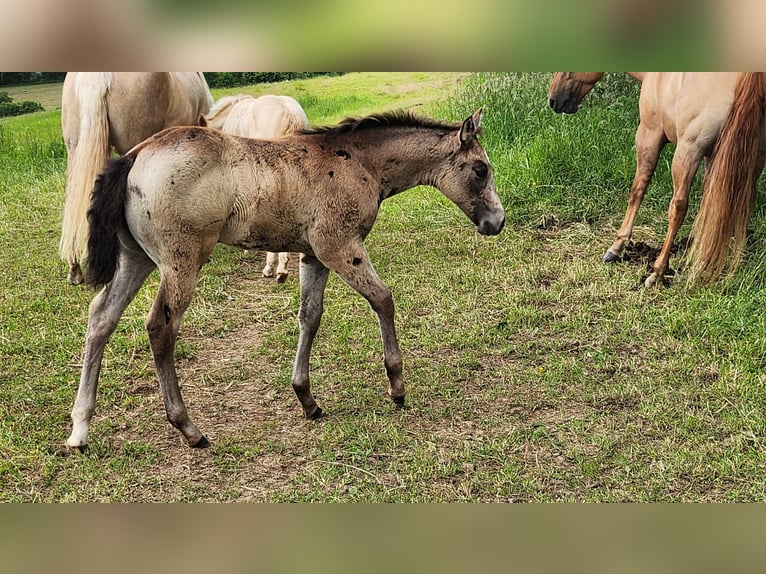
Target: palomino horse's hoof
{"type": "Point", "coordinates": [651, 281]}
{"type": "Point", "coordinates": [398, 401]}
{"type": "Point", "coordinates": [281, 277]}
{"type": "Point", "coordinates": [611, 257]}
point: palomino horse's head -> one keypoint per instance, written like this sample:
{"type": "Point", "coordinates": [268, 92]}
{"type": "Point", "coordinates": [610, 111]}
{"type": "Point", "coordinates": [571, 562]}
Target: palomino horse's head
{"type": "Point", "coordinates": [569, 88]}
{"type": "Point", "coordinates": [468, 180]}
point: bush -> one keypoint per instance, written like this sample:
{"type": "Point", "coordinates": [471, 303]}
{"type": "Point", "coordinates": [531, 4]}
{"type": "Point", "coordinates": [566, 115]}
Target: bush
{"type": "Point", "coordinates": [8, 108]}
{"type": "Point", "coordinates": [5, 98]}
{"type": "Point", "coordinates": [236, 79]}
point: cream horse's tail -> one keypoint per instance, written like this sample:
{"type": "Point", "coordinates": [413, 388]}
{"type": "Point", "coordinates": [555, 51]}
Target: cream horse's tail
{"type": "Point", "coordinates": [87, 154]}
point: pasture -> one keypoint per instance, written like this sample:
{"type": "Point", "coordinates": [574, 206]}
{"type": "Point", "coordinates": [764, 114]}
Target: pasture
{"type": "Point", "coordinates": [534, 371]}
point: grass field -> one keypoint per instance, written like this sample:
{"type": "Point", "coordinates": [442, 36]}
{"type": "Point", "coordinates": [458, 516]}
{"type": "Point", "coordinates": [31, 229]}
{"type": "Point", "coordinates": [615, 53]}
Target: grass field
{"type": "Point", "coordinates": [534, 371]}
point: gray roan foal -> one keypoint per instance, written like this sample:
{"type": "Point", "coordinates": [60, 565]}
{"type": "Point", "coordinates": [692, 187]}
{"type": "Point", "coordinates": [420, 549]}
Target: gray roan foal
{"type": "Point", "coordinates": [169, 201]}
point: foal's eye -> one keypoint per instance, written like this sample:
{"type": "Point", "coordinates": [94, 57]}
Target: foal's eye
{"type": "Point", "coordinates": [480, 169]}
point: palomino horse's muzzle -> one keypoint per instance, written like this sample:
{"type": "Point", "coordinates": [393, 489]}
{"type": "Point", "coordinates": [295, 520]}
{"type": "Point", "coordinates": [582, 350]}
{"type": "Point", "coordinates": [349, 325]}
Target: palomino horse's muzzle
{"type": "Point", "coordinates": [568, 104]}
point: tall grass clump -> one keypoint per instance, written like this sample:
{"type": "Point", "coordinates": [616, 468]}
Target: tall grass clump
{"type": "Point", "coordinates": [556, 167]}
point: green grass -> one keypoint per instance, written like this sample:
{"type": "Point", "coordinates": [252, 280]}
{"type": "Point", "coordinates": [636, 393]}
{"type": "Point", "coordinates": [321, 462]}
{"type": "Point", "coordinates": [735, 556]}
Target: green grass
{"type": "Point", "coordinates": [534, 371]}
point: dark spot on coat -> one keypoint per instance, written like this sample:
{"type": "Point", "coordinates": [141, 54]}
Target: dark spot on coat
{"type": "Point", "coordinates": [356, 261]}
{"type": "Point", "coordinates": [331, 174]}
{"type": "Point", "coordinates": [148, 215]}
{"type": "Point", "coordinates": [343, 153]}
{"type": "Point", "coordinates": [166, 308]}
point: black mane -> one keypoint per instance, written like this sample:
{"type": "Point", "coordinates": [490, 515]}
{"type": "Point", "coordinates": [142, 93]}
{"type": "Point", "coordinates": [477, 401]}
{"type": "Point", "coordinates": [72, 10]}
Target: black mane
{"type": "Point", "coordinates": [398, 118]}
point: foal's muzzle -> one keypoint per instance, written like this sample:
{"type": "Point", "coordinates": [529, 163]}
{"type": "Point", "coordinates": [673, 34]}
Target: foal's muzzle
{"type": "Point", "coordinates": [490, 222]}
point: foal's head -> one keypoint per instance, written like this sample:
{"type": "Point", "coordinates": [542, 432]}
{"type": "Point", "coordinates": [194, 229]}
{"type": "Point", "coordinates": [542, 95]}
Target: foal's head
{"type": "Point", "coordinates": [468, 182]}
{"type": "Point", "coordinates": [569, 88]}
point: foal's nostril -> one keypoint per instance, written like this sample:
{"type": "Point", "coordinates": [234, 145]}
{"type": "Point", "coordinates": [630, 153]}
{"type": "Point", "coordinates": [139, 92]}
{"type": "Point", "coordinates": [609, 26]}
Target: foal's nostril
{"type": "Point", "coordinates": [552, 103]}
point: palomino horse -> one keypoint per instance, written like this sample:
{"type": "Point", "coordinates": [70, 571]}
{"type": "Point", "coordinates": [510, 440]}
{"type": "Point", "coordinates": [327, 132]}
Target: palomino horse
{"type": "Point", "coordinates": [104, 110]}
{"type": "Point", "coordinates": [262, 117]}
{"type": "Point", "coordinates": [172, 198]}
{"type": "Point", "coordinates": [684, 108]}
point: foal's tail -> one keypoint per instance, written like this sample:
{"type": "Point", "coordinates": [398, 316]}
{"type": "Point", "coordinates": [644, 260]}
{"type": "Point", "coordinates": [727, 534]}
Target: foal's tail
{"type": "Point", "coordinates": [106, 218]}
{"type": "Point", "coordinates": [86, 160]}
{"type": "Point", "coordinates": [729, 184]}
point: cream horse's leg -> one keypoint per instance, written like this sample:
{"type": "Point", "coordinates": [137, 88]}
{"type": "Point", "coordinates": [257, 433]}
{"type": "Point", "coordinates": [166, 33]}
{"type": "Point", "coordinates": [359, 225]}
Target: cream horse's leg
{"type": "Point", "coordinates": [280, 262]}
{"type": "Point", "coordinates": [104, 313]}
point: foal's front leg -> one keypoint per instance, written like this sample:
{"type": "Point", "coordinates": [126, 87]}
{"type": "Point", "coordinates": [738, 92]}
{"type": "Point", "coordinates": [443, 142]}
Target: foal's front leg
{"type": "Point", "coordinates": [354, 267]}
{"type": "Point", "coordinates": [313, 279]}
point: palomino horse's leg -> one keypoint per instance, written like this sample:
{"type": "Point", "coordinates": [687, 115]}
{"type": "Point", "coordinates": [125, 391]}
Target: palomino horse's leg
{"type": "Point", "coordinates": [354, 267]}
{"type": "Point", "coordinates": [162, 325]}
{"type": "Point", "coordinates": [313, 278]}
{"type": "Point", "coordinates": [649, 143]}
{"type": "Point", "coordinates": [686, 160]}
{"type": "Point", "coordinates": [103, 315]}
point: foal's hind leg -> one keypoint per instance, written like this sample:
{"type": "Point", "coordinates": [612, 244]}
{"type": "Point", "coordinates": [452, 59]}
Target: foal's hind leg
{"type": "Point", "coordinates": [354, 267]}
{"type": "Point", "coordinates": [313, 279]}
{"type": "Point", "coordinates": [648, 146]}
{"type": "Point", "coordinates": [104, 313]}
{"type": "Point", "coordinates": [164, 321]}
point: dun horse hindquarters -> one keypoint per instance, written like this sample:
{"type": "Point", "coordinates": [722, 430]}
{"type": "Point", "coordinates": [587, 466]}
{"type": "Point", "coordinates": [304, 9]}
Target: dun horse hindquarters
{"type": "Point", "coordinates": [684, 108]}
{"type": "Point", "coordinates": [169, 201]}
{"type": "Point", "coordinates": [105, 110]}
{"type": "Point", "coordinates": [262, 117]}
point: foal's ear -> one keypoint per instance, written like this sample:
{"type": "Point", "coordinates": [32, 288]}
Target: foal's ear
{"type": "Point", "coordinates": [470, 126]}
{"type": "Point", "coordinates": [202, 120]}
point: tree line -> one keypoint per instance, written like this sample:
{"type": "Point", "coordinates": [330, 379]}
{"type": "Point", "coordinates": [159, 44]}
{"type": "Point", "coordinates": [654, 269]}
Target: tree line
{"type": "Point", "coordinates": [214, 79]}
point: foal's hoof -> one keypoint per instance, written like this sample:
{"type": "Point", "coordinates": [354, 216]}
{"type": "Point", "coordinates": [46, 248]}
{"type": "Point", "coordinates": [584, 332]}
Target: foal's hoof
{"type": "Point", "coordinates": [398, 401]}
{"type": "Point", "coordinates": [316, 415]}
{"type": "Point", "coordinates": [612, 257]}
{"type": "Point", "coordinates": [201, 443]}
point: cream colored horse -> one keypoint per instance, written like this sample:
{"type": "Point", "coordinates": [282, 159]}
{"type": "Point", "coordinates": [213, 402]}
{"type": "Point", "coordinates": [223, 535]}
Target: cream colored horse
{"type": "Point", "coordinates": [262, 117]}
{"type": "Point", "coordinates": [687, 109]}
{"type": "Point", "coordinates": [170, 200]}
{"type": "Point", "coordinates": [105, 110]}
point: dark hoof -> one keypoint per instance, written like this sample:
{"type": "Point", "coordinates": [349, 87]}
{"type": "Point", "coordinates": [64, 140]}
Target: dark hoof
{"type": "Point", "coordinates": [398, 401]}
{"type": "Point", "coordinates": [611, 257]}
{"type": "Point", "coordinates": [201, 443]}
{"type": "Point", "coordinates": [316, 415]}
{"type": "Point", "coordinates": [281, 277]}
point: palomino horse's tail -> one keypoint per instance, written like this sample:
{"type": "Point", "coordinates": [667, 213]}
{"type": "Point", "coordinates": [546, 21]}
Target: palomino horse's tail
{"type": "Point", "coordinates": [86, 160]}
{"type": "Point", "coordinates": [106, 218]}
{"type": "Point", "coordinates": [729, 184]}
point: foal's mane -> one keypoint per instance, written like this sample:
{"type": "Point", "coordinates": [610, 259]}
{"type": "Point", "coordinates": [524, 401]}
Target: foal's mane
{"type": "Point", "coordinates": [397, 118]}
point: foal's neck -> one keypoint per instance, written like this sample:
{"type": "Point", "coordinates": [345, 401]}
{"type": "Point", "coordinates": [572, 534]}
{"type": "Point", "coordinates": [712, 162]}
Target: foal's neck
{"type": "Point", "coordinates": [401, 157]}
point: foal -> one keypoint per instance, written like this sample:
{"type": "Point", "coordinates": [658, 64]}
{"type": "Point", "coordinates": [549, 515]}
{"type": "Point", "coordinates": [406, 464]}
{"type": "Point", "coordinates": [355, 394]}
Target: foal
{"type": "Point", "coordinates": [172, 198]}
